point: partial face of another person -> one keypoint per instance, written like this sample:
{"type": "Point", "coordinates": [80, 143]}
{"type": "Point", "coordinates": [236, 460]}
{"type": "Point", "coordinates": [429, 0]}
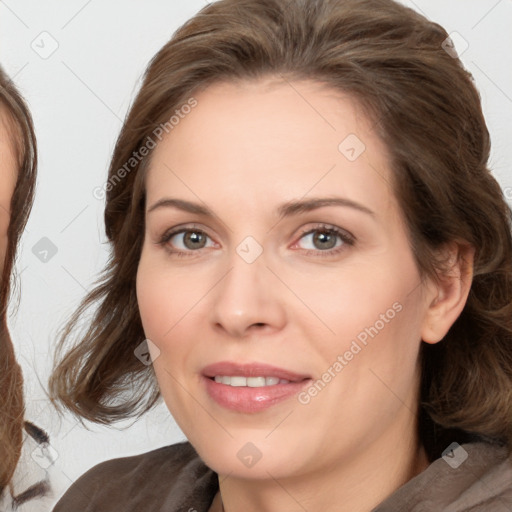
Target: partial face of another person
{"type": "Point", "coordinates": [277, 282]}
{"type": "Point", "coordinates": [8, 176]}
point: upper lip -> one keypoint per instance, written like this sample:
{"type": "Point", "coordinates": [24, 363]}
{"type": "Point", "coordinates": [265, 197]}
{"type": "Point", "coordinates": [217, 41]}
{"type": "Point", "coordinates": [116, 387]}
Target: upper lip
{"type": "Point", "coordinates": [228, 368]}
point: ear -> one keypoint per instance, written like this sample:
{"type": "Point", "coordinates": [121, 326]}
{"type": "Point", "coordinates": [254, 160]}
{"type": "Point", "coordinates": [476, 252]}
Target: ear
{"type": "Point", "coordinates": [447, 297]}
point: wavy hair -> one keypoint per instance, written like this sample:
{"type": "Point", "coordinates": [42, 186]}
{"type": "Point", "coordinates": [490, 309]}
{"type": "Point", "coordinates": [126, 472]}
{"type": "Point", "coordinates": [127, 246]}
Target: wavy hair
{"type": "Point", "coordinates": [425, 108]}
{"type": "Point", "coordinates": [17, 122]}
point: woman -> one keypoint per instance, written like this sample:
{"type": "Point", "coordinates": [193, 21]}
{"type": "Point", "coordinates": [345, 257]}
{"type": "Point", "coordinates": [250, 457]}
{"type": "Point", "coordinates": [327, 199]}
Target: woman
{"type": "Point", "coordinates": [309, 247]}
{"type": "Point", "coordinates": [24, 485]}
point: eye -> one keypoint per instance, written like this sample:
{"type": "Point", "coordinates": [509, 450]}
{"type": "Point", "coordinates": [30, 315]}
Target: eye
{"type": "Point", "coordinates": [321, 239]}
{"type": "Point", "coordinates": [326, 239]}
{"type": "Point", "coordinates": [186, 240]}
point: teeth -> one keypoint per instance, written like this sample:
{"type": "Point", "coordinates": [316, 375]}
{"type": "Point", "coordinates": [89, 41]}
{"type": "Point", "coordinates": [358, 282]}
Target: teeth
{"type": "Point", "coordinates": [256, 382]}
{"type": "Point", "coordinates": [238, 382]}
{"type": "Point", "coordinates": [252, 382]}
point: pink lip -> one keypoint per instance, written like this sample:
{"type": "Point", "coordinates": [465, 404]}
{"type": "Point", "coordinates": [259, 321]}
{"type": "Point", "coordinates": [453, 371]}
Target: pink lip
{"type": "Point", "coordinates": [246, 399]}
{"type": "Point", "coordinates": [251, 370]}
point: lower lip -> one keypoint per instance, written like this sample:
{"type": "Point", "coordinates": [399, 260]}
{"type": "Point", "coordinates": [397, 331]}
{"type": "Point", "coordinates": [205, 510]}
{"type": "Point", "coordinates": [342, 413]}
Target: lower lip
{"type": "Point", "coordinates": [248, 400]}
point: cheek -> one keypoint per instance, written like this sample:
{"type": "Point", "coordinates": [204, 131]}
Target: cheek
{"type": "Point", "coordinates": [368, 357]}
{"type": "Point", "coordinates": [361, 301]}
{"type": "Point", "coordinates": [165, 296]}
{"type": "Point", "coordinates": [162, 302]}
{"type": "Point", "coordinates": [150, 299]}
{"type": "Point", "coordinates": [376, 318]}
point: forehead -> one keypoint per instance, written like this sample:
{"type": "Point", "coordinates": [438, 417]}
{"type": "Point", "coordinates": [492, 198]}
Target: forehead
{"type": "Point", "coordinates": [271, 138]}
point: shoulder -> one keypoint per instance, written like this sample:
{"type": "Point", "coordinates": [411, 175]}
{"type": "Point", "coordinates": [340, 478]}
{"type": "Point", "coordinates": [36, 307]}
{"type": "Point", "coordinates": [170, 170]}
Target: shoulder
{"type": "Point", "coordinates": [475, 476]}
{"type": "Point", "coordinates": [490, 477]}
{"type": "Point", "coordinates": [164, 477]}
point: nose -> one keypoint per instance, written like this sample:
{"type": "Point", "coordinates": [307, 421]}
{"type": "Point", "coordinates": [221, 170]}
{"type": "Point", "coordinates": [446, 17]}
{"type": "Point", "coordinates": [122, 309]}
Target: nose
{"type": "Point", "coordinates": [248, 300]}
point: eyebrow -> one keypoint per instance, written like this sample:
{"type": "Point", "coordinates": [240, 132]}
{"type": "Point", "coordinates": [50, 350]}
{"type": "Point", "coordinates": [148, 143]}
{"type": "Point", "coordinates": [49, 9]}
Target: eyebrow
{"type": "Point", "coordinates": [288, 209]}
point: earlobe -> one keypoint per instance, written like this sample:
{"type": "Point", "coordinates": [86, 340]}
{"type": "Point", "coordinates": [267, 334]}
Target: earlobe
{"type": "Point", "coordinates": [447, 297]}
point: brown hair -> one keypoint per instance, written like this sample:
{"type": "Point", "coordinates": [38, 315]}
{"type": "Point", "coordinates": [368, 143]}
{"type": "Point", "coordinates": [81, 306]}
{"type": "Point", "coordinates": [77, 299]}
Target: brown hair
{"type": "Point", "coordinates": [18, 123]}
{"type": "Point", "coordinates": [427, 111]}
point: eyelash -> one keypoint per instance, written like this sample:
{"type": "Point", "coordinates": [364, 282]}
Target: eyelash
{"type": "Point", "coordinates": [344, 236]}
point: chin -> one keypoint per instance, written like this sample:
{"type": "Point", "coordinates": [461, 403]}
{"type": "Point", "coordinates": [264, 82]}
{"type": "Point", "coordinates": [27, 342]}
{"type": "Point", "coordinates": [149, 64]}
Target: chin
{"type": "Point", "coordinates": [258, 459]}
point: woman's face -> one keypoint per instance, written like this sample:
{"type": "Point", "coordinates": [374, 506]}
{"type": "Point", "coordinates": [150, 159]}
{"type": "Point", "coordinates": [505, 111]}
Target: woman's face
{"type": "Point", "coordinates": [8, 176]}
{"type": "Point", "coordinates": [276, 282]}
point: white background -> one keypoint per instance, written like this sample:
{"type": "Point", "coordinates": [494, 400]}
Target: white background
{"type": "Point", "coordinates": [79, 96]}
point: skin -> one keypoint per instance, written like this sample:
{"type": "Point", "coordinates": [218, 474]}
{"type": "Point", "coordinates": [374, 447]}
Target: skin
{"type": "Point", "coordinates": [8, 176]}
{"type": "Point", "coordinates": [243, 151]}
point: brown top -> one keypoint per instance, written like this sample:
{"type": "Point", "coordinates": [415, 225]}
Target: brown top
{"type": "Point", "coordinates": [474, 477]}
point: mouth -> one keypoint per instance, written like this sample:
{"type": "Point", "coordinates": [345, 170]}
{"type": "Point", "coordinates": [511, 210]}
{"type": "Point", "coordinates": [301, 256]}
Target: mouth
{"type": "Point", "coordinates": [251, 388]}
{"type": "Point", "coordinates": [237, 381]}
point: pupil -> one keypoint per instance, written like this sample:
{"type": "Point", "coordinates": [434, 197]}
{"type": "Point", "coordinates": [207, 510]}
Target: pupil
{"type": "Point", "coordinates": [324, 240]}
{"type": "Point", "coordinates": [194, 240]}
